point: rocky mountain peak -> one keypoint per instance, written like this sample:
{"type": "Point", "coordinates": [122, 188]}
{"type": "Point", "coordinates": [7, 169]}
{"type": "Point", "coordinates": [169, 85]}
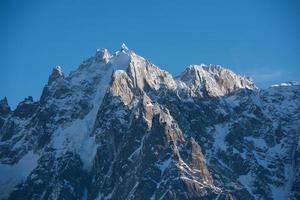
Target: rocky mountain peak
{"type": "Point", "coordinates": [26, 108]}
{"type": "Point", "coordinates": [139, 77]}
{"type": "Point", "coordinates": [124, 47]}
{"type": "Point", "coordinates": [4, 107]}
{"type": "Point", "coordinates": [214, 80]}
{"type": "Point", "coordinates": [145, 74]}
{"type": "Point", "coordinates": [102, 55]}
{"type": "Point", "coordinates": [56, 73]}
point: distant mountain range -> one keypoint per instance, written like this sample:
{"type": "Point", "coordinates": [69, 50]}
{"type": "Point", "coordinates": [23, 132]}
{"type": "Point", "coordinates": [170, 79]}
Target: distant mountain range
{"type": "Point", "coordinates": [119, 127]}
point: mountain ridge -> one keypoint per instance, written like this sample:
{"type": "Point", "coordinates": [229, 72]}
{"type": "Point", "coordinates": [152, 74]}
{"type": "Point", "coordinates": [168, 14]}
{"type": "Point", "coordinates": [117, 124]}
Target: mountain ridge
{"type": "Point", "coordinates": [119, 127]}
{"type": "Point", "coordinates": [104, 54]}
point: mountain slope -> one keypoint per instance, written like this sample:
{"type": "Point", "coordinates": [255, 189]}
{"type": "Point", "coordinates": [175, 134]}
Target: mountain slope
{"type": "Point", "coordinates": [121, 128]}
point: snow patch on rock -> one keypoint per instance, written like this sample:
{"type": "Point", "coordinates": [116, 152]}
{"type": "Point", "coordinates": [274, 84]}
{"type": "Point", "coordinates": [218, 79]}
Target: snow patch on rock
{"type": "Point", "coordinates": [11, 175]}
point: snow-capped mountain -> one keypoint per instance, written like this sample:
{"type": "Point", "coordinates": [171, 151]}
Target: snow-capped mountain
{"type": "Point", "coordinates": [119, 127]}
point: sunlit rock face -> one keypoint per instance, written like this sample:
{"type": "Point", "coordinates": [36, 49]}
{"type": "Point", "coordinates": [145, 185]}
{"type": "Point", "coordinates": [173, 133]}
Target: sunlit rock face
{"type": "Point", "coordinates": [119, 127]}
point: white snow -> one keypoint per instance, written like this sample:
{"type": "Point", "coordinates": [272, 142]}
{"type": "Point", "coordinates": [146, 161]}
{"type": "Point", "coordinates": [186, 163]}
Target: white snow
{"type": "Point", "coordinates": [246, 180]}
{"type": "Point", "coordinates": [121, 59]}
{"type": "Point", "coordinates": [219, 132]}
{"type": "Point", "coordinates": [59, 70]}
{"type": "Point", "coordinates": [280, 193]}
{"type": "Point", "coordinates": [164, 165]}
{"type": "Point", "coordinates": [11, 175]}
{"type": "Point", "coordinates": [258, 142]}
{"type": "Point", "coordinates": [124, 47]}
{"type": "Point", "coordinates": [286, 84]}
{"type": "Point", "coordinates": [76, 136]}
{"type": "Point", "coordinates": [138, 150]}
{"type": "Point", "coordinates": [132, 191]}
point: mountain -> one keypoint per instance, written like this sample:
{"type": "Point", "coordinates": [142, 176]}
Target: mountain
{"type": "Point", "coordinates": [119, 127]}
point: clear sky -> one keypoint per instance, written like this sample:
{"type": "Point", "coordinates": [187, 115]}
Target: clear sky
{"type": "Point", "coordinates": [257, 38]}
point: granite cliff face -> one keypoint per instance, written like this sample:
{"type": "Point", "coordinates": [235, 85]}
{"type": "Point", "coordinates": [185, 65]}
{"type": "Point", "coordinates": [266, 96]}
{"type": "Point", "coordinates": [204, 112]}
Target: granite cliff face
{"type": "Point", "coordinates": [119, 127]}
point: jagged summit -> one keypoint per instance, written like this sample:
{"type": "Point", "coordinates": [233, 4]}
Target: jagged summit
{"type": "Point", "coordinates": [57, 69]}
{"type": "Point", "coordinates": [124, 47]}
{"type": "Point", "coordinates": [28, 99]}
{"type": "Point", "coordinates": [102, 55]}
{"type": "Point", "coordinates": [56, 73]}
{"type": "Point", "coordinates": [125, 50]}
{"type": "Point", "coordinates": [214, 80]}
{"type": "Point", "coordinates": [287, 83]}
{"type": "Point", "coordinates": [4, 106]}
{"type": "Point", "coordinates": [4, 101]}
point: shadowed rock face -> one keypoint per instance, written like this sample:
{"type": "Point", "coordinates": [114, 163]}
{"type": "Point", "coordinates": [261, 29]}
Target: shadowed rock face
{"type": "Point", "coordinates": [121, 128]}
{"type": "Point", "coordinates": [4, 110]}
{"type": "Point", "coordinates": [4, 107]}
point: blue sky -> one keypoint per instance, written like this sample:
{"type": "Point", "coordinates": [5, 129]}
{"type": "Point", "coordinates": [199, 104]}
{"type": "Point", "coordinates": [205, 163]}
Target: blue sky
{"type": "Point", "coordinates": [256, 38]}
